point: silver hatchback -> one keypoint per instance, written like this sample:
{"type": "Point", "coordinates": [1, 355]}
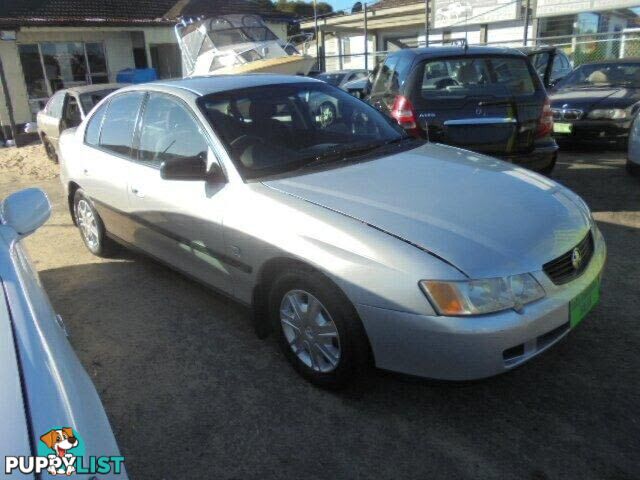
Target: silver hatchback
{"type": "Point", "coordinates": [352, 242]}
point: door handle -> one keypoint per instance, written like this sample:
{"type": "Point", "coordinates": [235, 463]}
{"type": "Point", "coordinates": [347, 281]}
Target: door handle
{"type": "Point", "coordinates": [137, 192]}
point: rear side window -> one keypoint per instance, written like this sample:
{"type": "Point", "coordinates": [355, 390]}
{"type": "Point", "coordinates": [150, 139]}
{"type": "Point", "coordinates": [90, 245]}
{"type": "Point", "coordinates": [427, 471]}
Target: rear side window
{"type": "Point", "coordinates": [92, 132]}
{"type": "Point", "coordinates": [119, 122]}
{"type": "Point", "coordinates": [462, 77]}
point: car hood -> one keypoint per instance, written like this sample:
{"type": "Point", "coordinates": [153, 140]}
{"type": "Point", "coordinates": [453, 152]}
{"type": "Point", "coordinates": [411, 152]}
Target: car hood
{"type": "Point", "coordinates": [484, 216]}
{"type": "Point", "coordinates": [588, 98]}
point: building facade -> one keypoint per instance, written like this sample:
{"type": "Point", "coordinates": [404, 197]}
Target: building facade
{"type": "Point", "coordinates": [585, 29]}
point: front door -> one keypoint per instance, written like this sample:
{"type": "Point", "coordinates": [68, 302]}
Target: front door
{"type": "Point", "coordinates": [176, 221]}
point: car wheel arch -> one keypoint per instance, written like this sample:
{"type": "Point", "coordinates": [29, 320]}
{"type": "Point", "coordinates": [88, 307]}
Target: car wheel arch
{"type": "Point", "coordinates": [72, 189]}
{"type": "Point", "coordinates": [266, 278]}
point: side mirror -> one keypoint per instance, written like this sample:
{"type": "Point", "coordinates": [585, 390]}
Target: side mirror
{"type": "Point", "coordinates": [189, 169]}
{"type": "Point", "coordinates": [26, 211]}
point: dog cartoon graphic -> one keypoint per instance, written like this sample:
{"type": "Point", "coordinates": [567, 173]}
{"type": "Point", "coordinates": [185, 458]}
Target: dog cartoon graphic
{"type": "Point", "coordinates": [60, 441]}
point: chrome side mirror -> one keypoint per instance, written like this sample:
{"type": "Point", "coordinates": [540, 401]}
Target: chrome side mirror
{"type": "Point", "coordinates": [26, 211]}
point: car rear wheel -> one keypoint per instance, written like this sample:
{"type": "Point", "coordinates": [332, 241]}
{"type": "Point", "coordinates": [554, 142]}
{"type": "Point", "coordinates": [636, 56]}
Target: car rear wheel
{"type": "Point", "coordinates": [319, 330]}
{"type": "Point", "coordinates": [50, 150]}
{"type": "Point", "coordinates": [91, 226]}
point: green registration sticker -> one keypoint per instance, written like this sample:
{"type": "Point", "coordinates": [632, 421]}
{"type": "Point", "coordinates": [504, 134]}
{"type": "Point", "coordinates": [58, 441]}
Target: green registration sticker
{"type": "Point", "coordinates": [584, 302]}
{"type": "Point", "coordinates": [562, 127]}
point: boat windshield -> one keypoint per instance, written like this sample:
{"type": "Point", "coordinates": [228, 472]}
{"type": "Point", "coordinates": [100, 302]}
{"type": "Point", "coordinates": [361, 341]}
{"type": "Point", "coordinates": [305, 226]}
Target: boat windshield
{"type": "Point", "coordinates": [231, 36]}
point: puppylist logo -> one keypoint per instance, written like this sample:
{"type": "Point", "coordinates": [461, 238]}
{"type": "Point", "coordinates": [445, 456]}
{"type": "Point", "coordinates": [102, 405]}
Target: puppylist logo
{"type": "Point", "coordinates": [61, 452]}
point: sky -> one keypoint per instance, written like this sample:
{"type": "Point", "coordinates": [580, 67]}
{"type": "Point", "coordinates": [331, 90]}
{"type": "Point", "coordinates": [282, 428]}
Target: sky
{"type": "Point", "coordinates": [342, 4]}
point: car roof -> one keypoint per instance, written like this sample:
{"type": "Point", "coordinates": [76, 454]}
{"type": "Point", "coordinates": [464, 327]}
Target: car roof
{"type": "Point", "coordinates": [205, 85]}
{"type": "Point", "coordinates": [95, 88]}
{"type": "Point", "coordinates": [344, 72]}
{"type": "Point", "coordinates": [451, 51]}
{"type": "Point", "coordinates": [539, 49]}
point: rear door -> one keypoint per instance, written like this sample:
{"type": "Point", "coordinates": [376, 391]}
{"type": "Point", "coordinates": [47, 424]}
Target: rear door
{"type": "Point", "coordinates": [107, 157]}
{"type": "Point", "coordinates": [489, 103]}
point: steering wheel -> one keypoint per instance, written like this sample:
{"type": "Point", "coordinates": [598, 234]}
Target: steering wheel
{"type": "Point", "coordinates": [446, 82]}
{"type": "Point", "coordinates": [245, 141]}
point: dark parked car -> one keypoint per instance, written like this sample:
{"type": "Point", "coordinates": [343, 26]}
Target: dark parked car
{"type": "Point", "coordinates": [551, 63]}
{"type": "Point", "coordinates": [485, 99]}
{"type": "Point", "coordinates": [341, 77]}
{"type": "Point", "coordinates": [597, 102]}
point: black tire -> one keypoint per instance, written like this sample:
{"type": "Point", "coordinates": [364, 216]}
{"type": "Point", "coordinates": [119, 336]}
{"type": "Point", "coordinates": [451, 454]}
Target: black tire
{"type": "Point", "coordinates": [50, 150]}
{"type": "Point", "coordinates": [354, 356]}
{"type": "Point", "coordinates": [103, 246]}
{"type": "Point", "coordinates": [548, 170]}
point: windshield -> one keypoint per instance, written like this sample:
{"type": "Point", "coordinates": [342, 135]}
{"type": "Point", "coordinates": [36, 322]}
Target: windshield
{"type": "Point", "coordinates": [462, 77]}
{"type": "Point", "coordinates": [276, 129]}
{"type": "Point", "coordinates": [331, 78]}
{"type": "Point", "coordinates": [89, 100]}
{"type": "Point", "coordinates": [604, 75]}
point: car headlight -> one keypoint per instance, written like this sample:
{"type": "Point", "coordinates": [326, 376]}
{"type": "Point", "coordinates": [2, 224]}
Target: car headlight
{"type": "Point", "coordinates": [608, 114]}
{"type": "Point", "coordinates": [476, 297]}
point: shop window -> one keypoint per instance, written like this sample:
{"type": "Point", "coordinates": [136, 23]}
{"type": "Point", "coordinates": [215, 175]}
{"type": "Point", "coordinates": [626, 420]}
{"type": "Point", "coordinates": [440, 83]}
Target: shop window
{"type": "Point", "coordinates": [49, 67]}
{"type": "Point", "coordinates": [165, 58]}
{"type": "Point", "coordinates": [64, 64]}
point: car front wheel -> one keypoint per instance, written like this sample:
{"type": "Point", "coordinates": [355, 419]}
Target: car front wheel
{"type": "Point", "coordinates": [91, 226]}
{"type": "Point", "coordinates": [320, 332]}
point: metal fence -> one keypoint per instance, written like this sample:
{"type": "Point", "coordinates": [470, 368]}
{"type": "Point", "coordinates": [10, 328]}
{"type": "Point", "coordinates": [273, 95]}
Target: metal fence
{"type": "Point", "coordinates": [578, 48]}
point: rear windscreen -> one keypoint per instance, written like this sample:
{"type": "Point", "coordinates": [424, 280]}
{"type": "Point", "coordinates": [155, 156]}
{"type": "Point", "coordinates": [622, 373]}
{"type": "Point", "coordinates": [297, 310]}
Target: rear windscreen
{"type": "Point", "coordinates": [463, 77]}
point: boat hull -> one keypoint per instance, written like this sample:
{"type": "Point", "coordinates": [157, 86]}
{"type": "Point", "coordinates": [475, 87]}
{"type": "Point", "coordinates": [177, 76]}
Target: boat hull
{"type": "Point", "coordinates": [289, 65]}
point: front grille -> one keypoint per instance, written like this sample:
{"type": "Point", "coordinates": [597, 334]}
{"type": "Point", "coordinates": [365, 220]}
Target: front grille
{"type": "Point", "coordinates": [567, 114]}
{"type": "Point", "coordinates": [561, 270]}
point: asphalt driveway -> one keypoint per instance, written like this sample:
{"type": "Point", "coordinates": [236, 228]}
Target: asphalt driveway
{"type": "Point", "coordinates": [192, 393]}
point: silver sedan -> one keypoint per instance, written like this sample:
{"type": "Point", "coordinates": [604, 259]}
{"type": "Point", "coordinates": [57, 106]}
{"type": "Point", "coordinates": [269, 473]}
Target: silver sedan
{"type": "Point", "coordinates": [351, 242]}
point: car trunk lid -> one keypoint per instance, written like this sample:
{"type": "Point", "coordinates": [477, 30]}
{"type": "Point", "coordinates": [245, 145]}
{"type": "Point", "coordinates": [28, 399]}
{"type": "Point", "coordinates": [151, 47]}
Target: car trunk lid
{"type": "Point", "coordinates": [487, 104]}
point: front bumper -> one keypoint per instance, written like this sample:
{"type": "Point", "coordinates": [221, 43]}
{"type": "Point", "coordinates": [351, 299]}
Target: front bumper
{"type": "Point", "coordinates": [595, 131]}
{"type": "Point", "coordinates": [467, 348]}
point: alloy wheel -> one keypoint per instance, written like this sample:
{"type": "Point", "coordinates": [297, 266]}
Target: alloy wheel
{"type": "Point", "coordinates": [310, 331]}
{"type": "Point", "coordinates": [87, 224]}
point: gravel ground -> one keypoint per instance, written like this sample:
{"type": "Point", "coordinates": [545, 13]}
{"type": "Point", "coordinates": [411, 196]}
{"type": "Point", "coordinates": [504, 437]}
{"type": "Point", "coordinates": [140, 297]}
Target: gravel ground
{"type": "Point", "coordinates": [192, 393]}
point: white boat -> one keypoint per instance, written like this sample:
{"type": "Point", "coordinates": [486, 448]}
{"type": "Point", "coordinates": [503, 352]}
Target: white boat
{"type": "Point", "coordinates": [231, 44]}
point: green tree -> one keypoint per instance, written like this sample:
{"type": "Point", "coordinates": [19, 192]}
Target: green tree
{"type": "Point", "coordinates": [301, 8]}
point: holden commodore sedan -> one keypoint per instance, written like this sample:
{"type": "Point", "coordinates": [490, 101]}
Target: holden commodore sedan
{"type": "Point", "coordinates": [353, 243]}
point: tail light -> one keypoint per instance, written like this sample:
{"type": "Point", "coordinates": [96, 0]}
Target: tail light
{"type": "Point", "coordinates": [545, 124]}
{"type": "Point", "coordinates": [405, 115]}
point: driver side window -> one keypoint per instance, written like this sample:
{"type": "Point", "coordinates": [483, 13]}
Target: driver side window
{"type": "Point", "coordinates": [169, 131]}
